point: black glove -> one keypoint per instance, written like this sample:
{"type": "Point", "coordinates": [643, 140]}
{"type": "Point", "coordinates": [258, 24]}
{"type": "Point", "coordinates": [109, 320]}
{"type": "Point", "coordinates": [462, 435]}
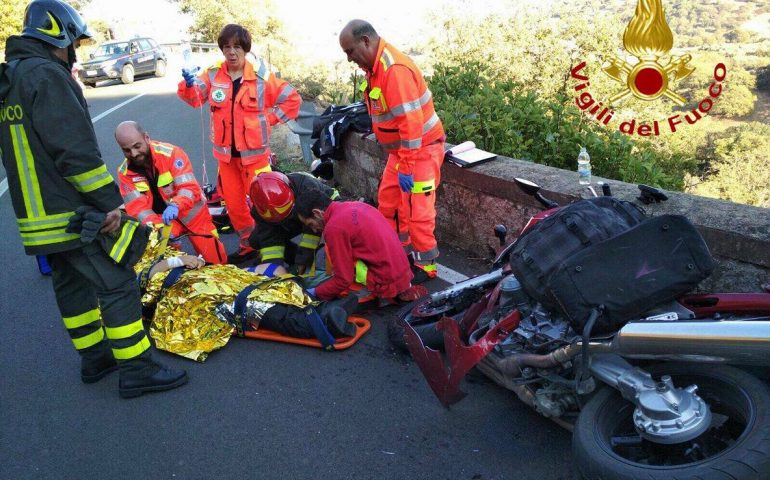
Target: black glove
{"type": "Point", "coordinates": [92, 223]}
{"type": "Point", "coordinates": [87, 221]}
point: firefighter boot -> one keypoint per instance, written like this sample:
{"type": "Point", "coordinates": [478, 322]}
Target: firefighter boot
{"type": "Point", "coordinates": [97, 364]}
{"type": "Point", "coordinates": [163, 379]}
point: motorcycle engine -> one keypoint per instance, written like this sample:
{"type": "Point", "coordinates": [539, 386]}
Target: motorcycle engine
{"type": "Point", "coordinates": [540, 331]}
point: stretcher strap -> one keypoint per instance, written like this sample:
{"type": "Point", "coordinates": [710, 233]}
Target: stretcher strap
{"type": "Point", "coordinates": [239, 308]}
{"type": "Point", "coordinates": [173, 276]}
{"type": "Point", "coordinates": [270, 270]}
{"type": "Point", "coordinates": [319, 329]}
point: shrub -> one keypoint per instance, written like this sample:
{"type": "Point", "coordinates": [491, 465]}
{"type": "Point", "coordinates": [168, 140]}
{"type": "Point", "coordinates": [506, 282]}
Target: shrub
{"type": "Point", "coordinates": [509, 119]}
{"type": "Point", "coordinates": [763, 78]}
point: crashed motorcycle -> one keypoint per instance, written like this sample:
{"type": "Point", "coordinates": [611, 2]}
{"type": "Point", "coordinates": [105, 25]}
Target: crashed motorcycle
{"type": "Point", "coordinates": [654, 383]}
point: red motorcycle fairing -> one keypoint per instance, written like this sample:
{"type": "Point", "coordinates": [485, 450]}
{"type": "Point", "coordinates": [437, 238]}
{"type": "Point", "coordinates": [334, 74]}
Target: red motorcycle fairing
{"type": "Point", "coordinates": [443, 377]}
{"type": "Point", "coordinates": [707, 304]}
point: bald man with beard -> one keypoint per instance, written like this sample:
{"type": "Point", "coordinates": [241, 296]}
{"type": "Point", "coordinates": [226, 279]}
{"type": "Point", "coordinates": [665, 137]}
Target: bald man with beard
{"type": "Point", "coordinates": [158, 186]}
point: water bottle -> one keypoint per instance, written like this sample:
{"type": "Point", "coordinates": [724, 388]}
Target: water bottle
{"type": "Point", "coordinates": [189, 62]}
{"type": "Point", "coordinates": [584, 167]}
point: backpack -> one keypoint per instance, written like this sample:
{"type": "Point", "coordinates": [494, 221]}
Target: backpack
{"type": "Point", "coordinates": [539, 251]}
{"type": "Point", "coordinates": [647, 265]}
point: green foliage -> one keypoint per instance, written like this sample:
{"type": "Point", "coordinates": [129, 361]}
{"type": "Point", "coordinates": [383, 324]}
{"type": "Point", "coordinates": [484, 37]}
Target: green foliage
{"type": "Point", "coordinates": [739, 169]}
{"type": "Point", "coordinates": [737, 101]}
{"type": "Point", "coordinates": [319, 83]}
{"type": "Point", "coordinates": [506, 118]}
{"type": "Point", "coordinates": [11, 18]}
{"type": "Point", "coordinates": [763, 79]}
{"type": "Point", "coordinates": [210, 17]}
{"type": "Point", "coordinates": [507, 88]}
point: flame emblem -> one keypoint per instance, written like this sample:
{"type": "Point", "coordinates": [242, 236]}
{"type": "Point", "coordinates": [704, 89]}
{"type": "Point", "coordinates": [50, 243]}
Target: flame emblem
{"type": "Point", "coordinates": [648, 38]}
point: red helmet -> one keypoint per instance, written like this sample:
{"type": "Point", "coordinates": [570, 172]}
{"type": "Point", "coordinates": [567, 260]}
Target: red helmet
{"type": "Point", "coordinates": [272, 196]}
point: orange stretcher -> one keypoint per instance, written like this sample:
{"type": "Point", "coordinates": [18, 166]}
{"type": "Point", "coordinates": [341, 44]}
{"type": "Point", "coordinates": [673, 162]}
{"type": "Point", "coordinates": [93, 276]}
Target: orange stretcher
{"type": "Point", "coordinates": [362, 326]}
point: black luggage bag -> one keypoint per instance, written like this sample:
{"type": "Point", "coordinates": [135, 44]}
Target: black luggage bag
{"type": "Point", "coordinates": [540, 250]}
{"type": "Point", "coordinates": [652, 263]}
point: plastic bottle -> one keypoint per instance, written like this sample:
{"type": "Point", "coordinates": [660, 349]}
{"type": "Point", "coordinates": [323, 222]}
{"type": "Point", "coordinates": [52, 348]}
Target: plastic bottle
{"type": "Point", "coordinates": [584, 167]}
{"type": "Point", "coordinates": [189, 62]}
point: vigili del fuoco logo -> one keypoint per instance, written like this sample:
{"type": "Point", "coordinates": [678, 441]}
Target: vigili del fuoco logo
{"type": "Point", "coordinates": [653, 74]}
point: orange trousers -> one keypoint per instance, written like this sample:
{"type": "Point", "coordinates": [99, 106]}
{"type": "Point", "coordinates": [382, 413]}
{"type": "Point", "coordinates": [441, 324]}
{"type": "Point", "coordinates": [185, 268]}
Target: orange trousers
{"type": "Point", "coordinates": [413, 215]}
{"type": "Point", "coordinates": [206, 242]}
{"type": "Point", "coordinates": [235, 180]}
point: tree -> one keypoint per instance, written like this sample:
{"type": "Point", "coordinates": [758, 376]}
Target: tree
{"type": "Point", "coordinates": [739, 171]}
{"type": "Point", "coordinates": [763, 79]}
{"type": "Point", "coordinates": [11, 18]}
{"type": "Point", "coordinates": [210, 17]}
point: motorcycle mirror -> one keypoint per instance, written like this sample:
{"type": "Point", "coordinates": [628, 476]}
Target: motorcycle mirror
{"type": "Point", "coordinates": [500, 232]}
{"type": "Point", "coordinates": [530, 188]}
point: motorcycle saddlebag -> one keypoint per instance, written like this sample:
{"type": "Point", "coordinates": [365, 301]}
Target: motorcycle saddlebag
{"type": "Point", "coordinates": [540, 250]}
{"type": "Point", "coordinates": [654, 262]}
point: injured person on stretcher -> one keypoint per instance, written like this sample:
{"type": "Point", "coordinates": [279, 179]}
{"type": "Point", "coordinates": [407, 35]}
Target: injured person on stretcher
{"type": "Point", "coordinates": [195, 308]}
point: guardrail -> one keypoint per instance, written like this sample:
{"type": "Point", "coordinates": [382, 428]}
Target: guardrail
{"type": "Point", "coordinates": [195, 47]}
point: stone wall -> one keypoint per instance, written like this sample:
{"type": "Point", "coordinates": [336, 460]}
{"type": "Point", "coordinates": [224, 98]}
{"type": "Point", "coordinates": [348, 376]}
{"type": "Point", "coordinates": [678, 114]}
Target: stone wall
{"type": "Point", "coordinates": [472, 200]}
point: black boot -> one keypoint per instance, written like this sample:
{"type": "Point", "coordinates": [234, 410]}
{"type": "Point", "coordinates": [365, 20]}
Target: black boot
{"type": "Point", "coordinates": [163, 379]}
{"type": "Point", "coordinates": [92, 371]}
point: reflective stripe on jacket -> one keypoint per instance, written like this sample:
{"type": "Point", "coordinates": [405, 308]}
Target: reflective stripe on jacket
{"type": "Point", "coordinates": [262, 101]}
{"type": "Point", "coordinates": [271, 238]}
{"type": "Point", "coordinates": [401, 106]}
{"type": "Point", "coordinates": [175, 181]}
{"type": "Point", "coordinates": [49, 149]}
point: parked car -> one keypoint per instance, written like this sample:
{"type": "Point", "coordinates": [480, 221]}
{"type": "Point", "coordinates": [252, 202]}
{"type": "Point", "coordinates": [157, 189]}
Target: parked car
{"type": "Point", "coordinates": [124, 60]}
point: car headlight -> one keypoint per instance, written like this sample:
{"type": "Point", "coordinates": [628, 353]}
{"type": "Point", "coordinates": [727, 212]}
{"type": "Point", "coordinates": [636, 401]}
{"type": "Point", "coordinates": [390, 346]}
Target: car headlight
{"type": "Point", "coordinates": [109, 63]}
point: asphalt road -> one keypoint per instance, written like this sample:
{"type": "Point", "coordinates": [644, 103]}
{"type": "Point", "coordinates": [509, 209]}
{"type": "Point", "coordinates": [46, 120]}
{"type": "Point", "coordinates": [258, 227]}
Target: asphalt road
{"type": "Point", "coordinates": [254, 409]}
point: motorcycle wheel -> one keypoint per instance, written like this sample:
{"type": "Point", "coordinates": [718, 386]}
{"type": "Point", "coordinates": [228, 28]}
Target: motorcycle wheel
{"type": "Point", "coordinates": [736, 447]}
{"type": "Point", "coordinates": [421, 315]}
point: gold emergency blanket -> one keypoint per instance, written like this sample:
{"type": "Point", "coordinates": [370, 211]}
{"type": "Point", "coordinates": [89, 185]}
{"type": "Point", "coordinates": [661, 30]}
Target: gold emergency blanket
{"type": "Point", "coordinates": [185, 321]}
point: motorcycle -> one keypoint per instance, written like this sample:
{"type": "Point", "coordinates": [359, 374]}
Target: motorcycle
{"type": "Point", "coordinates": [671, 393]}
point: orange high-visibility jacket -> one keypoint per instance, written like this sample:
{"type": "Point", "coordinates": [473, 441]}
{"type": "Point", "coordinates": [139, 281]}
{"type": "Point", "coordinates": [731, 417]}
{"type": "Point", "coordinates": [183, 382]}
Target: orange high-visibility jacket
{"type": "Point", "coordinates": [262, 101]}
{"type": "Point", "coordinates": [176, 183]}
{"type": "Point", "coordinates": [401, 106]}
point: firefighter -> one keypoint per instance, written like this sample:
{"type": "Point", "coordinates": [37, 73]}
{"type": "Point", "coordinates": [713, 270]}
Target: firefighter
{"type": "Point", "coordinates": [407, 127]}
{"type": "Point", "coordinates": [158, 186]}
{"type": "Point", "coordinates": [362, 248]}
{"type": "Point", "coordinates": [54, 167]}
{"type": "Point", "coordinates": [273, 195]}
{"type": "Point", "coordinates": [246, 100]}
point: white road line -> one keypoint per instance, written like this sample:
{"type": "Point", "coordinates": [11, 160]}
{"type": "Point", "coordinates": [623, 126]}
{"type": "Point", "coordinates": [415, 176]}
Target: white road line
{"type": "Point", "coordinates": [449, 275]}
{"type": "Point", "coordinates": [104, 114]}
{"type": "Point", "coordinates": [4, 183]}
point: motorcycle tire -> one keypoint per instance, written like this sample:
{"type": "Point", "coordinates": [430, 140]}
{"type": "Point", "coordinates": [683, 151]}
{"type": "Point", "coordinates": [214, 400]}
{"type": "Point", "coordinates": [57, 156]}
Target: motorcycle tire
{"type": "Point", "coordinates": [737, 449]}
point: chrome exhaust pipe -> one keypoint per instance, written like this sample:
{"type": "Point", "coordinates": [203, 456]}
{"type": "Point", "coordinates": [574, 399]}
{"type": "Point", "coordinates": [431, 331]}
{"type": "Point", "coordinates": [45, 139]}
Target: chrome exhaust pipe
{"type": "Point", "coordinates": [745, 341]}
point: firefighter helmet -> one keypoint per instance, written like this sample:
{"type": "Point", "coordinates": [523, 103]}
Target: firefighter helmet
{"type": "Point", "coordinates": [54, 22]}
{"type": "Point", "coordinates": [272, 196]}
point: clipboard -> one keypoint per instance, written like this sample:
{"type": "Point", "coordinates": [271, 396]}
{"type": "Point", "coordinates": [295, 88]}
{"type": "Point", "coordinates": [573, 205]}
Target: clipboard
{"type": "Point", "coordinates": [466, 155]}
